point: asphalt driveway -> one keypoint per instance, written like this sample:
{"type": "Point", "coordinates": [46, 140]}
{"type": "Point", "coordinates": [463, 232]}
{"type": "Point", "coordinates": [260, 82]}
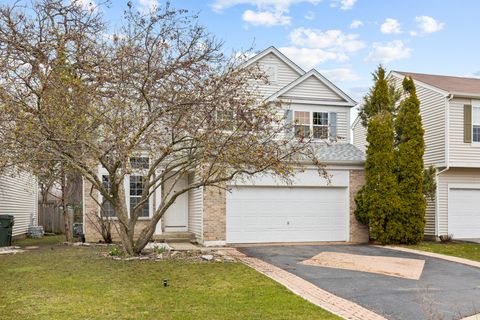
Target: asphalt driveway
{"type": "Point", "coordinates": [445, 290]}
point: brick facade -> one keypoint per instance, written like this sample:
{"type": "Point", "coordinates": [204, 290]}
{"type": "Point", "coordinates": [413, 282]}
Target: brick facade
{"type": "Point", "coordinates": [214, 214]}
{"type": "Point", "coordinates": [91, 212]}
{"type": "Point", "coordinates": [358, 232]}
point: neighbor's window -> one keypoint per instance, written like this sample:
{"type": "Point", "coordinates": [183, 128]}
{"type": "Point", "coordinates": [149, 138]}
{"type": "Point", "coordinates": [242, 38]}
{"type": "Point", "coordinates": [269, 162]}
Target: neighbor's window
{"type": "Point", "coordinates": [302, 123]}
{"type": "Point", "coordinates": [107, 208]}
{"type": "Point", "coordinates": [476, 123]}
{"type": "Point", "coordinates": [139, 162]}
{"type": "Point", "coordinates": [137, 185]}
{"type": "Point", "coordinates": [311, 123]}
{"type": "Point", "coordinates": [320, 125]}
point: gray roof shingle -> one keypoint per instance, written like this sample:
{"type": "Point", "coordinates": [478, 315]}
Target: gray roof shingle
{"type": "Point", "coordinates": [338, 152]}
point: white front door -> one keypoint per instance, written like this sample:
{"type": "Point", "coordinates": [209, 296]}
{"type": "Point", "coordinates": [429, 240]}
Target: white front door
{"type": "Point", "coordinates": [286, 214]}
{"type": "Point", "coordinates": [464, 213]}
{"type": "Point", "coordinates": [176, 217]}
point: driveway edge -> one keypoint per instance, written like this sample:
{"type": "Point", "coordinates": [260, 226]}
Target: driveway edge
{"type": "Point", "coordinates": [464, 261]}
{"type": "Point", "coordinates": [307, 290]}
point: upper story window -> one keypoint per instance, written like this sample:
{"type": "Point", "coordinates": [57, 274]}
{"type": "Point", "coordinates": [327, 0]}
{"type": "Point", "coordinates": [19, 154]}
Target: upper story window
{"type": "Point", "coordinates": [107, 208]}
{"type": "Point", "coordinates": [476, 123]}
{"type": "Point", "coordinates": [139, 162]}
{"type": "Point", "coordinates": [313, 124]}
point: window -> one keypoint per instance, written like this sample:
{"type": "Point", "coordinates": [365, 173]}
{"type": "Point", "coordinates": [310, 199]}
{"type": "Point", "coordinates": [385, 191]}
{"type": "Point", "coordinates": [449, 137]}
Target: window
{"type": "Point", "coordinates": [320, 125]}
{"type": "Point", "coordinates": [137, 185]}
{"type": "Point", "coordinates": [476, 123]}
{"type": "Point", "coordinates": [302, 124]}
{"type": "Point", "coordinates": [139, 162]}
{"type": "Point", "coordinates": [107, 208]}
{"type": "Point", "coordinates": [311, 123]}
{"type": "Point", "coordinates": [271, 73]}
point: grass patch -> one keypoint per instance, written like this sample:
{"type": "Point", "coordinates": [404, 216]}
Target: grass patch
{"type": "Point", "coordinates": [45, 240]}
{"type": "Point", "coordinates": [457, 249]}
{"type": "Point", "coordinates": [60, 282]}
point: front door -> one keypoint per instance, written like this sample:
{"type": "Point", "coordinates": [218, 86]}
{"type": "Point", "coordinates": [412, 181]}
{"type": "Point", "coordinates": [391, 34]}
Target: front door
{"type": "Point", "coordinates": [176, 217]}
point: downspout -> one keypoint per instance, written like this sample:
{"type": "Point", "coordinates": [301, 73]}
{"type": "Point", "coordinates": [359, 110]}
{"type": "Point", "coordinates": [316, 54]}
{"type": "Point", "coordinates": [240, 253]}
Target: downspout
{"type": "Point", "coordinates": [447, 159]}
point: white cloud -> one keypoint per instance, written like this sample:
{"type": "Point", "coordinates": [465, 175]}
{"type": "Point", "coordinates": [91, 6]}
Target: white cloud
{"type": "Point", "coordinates": [340, 74]}
{"type": "Point", "coordinates": [148, 5]}
{"type": "Point", "coordinates": [390, 26]}
{"type": "Point", "coordinates": [86, 4]}
{"type": "Point", "coordinates": [266, 18]}
{"type": "Point", "coordinates": [310, 15]}
{"type": "Point", "coordinates": [334, 40]}
{"type": "Point", "coordinates": [385, 53]}
{"type": "Point", "coordinates": [219, 5]}
{"type": "Point", "coordinates": [309, 57]}
{"type": "Point", "coordinates": [268, 13]}
{"type": "Point", "coordinates": [344, 4]}
{"type": "Point", "coordinates": [356, 24]}
{"type": "Point", "coordinates": [427, 24]}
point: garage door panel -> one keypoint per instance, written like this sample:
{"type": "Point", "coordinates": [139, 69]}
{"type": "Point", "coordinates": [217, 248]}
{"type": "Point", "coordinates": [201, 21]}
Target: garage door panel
{"type": "Point", "coordinates": [464, 213]}
{"type": "Point", "coordinates": [283, 214]}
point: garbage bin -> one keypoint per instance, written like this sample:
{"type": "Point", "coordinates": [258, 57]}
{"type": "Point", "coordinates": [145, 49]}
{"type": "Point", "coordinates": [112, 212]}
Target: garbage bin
{"type": "Point", "coordinates": [6, 226]}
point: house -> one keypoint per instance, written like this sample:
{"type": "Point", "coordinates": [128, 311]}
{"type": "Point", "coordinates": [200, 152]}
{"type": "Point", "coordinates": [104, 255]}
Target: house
{"type": "Point", "coordinates": [450, 110]}
{"type": "Point", "coordinates": [263, 210]}
{"type": "Point", "coordinates": [19, 197]}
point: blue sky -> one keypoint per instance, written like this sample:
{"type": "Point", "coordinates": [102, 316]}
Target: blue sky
{"type": "Point", "coordinates": [345, 39]}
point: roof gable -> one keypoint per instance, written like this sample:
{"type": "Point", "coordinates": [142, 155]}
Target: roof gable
{"type": "Point", "coordinates": [274, 51]}
{"type": "Point", "coordinates": [313, 86]}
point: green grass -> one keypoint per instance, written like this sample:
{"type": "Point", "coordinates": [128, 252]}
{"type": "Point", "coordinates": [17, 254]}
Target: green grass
{"type": "Point", "coordinates": [60, 282]}
{"type": "Point", "coordinates": [47, 240]}
{"type": "Point", "coordinates": [463, 250]}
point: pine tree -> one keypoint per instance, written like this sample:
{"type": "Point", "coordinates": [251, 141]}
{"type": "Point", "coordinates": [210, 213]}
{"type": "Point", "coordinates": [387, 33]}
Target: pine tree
{"type": "Point", "coordinates": [410, 219]}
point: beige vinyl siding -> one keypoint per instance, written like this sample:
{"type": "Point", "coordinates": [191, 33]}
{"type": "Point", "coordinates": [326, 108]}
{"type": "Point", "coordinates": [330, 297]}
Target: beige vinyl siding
{"type": "Point", "coordinates": [195, 210]}
{"type": "Point", "coordinates": [284, 74]}
{"type": "Point", "coordinates": [430, 218]}
{"type": "Point", "coordinates": [432, 110]}
{"type": "Point", "coordinates": [311, 89]}
{"type": "Point", "coordinates": [18, 197]}
{"type": "Point", "coordinates": [452, 176]}
{"type": "Point", "coordinates": [360, 136]}
{"type": "Point", "coordinates": [461, 154]}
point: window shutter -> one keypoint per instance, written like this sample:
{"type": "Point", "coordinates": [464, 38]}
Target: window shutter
{"type": "Point", "coordinates": [467, 123]}
{"type": "Point", "coordinates": [332, 123]}
{"type": "Point", "coordinates": [288, 122]}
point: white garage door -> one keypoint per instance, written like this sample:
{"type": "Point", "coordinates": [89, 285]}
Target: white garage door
{"type": "Point", "coordinates": [286, 214]}
{"type": "Point", "coordinates": [464, 213]}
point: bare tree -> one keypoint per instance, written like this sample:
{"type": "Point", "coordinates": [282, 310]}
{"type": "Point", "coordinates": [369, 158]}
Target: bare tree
{"type": "Point", "coordinates": [160, 88]}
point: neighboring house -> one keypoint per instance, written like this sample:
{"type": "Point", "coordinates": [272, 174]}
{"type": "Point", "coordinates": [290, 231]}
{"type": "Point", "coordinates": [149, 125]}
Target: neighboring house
{"type": "Point", "coordinates": [450, 109]}
{"type": "Point", "coordinates": [263, 210]}
{"type": "Point", "coordinates": [19, 197]}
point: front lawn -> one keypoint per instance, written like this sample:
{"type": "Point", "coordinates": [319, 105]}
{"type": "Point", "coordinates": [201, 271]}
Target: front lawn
{"type": "Point", "coordinates": [60, 282]}
{"type": "Point", "coordinates": [462, 250]}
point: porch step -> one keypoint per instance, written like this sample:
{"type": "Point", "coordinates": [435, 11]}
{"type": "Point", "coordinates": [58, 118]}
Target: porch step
{"type": "Point", "coordinates": [174, 237]}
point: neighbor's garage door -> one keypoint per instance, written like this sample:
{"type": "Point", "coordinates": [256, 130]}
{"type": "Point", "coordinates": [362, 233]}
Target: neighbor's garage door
{"type": "Point", "coordinates": [464, 213]}
{"type": "Point", "coordinates": [286, 214]}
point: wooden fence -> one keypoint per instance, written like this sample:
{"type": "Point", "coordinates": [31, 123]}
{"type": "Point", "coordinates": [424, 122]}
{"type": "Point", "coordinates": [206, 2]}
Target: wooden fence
{"type": "Point", "coordinates": [50, 216]}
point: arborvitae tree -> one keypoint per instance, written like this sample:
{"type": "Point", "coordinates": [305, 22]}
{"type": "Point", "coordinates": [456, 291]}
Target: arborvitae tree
{"type": "Point", "coordinates": [410, 219]}
{"type": "Point", "coordinates": [380, 200]}
{"type": "Point", "coordinates": [381, 97]}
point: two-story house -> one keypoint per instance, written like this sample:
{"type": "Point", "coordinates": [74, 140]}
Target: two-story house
{"type": "Point", "coordinates": [450, 110]}
{"type": "Point", "coordinates": [264, 210]}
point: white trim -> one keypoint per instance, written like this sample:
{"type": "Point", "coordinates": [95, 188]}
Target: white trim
{"type": "Point", "coordinates": [348, 101]}
{"type": "Point", "coordinates": [355, 122]}
{"type": "Point", "coordinates": [215, 243]}
{"type": "Point", "coordinates": [278, 54]}
{"type": "Point", "coordinates": [326, 103]}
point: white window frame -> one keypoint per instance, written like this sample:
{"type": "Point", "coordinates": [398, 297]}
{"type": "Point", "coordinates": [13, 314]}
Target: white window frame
{"type": "Point", "coordinates": [126, 184]}
{"type": "Point", "coordinates": [311, 125]}
{"type": "Point", "coordinates": [475, 106]}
